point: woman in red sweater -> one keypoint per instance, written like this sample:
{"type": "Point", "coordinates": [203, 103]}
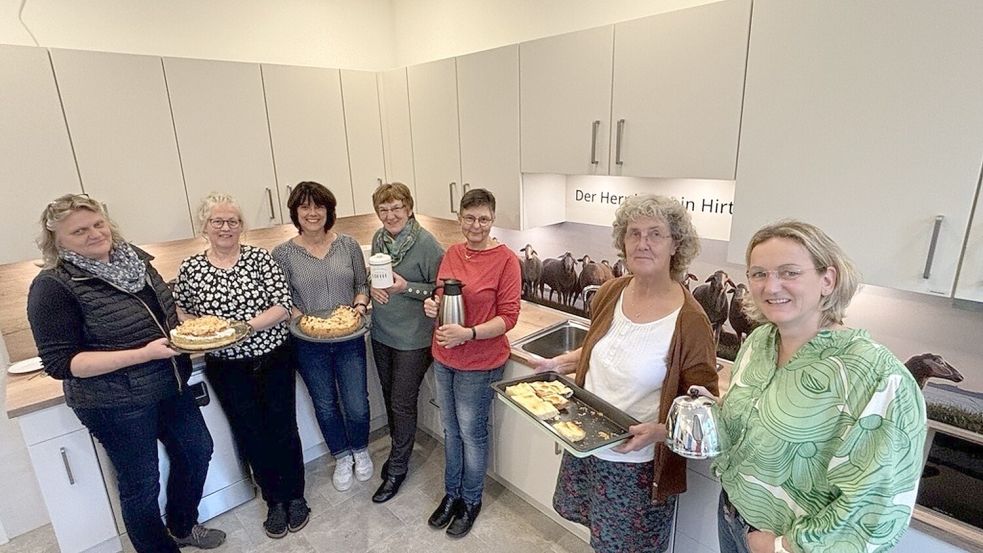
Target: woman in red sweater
{"type": "Point", "coordinates": [468, 358]}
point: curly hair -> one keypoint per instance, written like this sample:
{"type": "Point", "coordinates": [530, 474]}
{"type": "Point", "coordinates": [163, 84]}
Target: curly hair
{"type": "Point", "coordinates": [825, 253]}
{"type": "Point", "coordinates": [674, 214]}
{"type": "Point", "coordinates": [208, 204]}
{"type": "Point", "coordinates": [55, 213]}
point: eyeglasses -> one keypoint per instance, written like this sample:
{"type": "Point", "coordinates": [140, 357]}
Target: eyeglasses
{"type": "Point", "coordinates": [383, 211]}
{"type": "Point", "coordinates": [653, 235]}
{"type": "Point", "coordinates": [785, 273]}
{"type": "Point", "coordinates": [470, 220]}
{"type": "Point", "coordinates": [217, 224]}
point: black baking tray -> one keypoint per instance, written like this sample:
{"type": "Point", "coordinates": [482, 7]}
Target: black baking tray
{"type": "Point", "coordinates": [595, 415]}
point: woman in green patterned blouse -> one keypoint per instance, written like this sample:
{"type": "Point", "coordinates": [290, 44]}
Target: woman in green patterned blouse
{"type": "Point", "coordinates": [827, 426]}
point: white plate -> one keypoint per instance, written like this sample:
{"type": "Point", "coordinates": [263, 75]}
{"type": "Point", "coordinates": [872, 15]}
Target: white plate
{"type": "Point", "coordinates": [26, 366]}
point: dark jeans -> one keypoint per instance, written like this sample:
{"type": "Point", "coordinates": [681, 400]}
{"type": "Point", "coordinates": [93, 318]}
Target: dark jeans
{"type": "Point", "coordinates": [465, 399]}
{"type": "Point", "coordinates": [259, 398]}
{"type": "Point", "coordinates": [732, 529]}
{"type": "Point", "coordinates": [400, 373]}
{"type": "Point", "coordinates": [335, 377]}
{"type": "Point", "coordinates": [130, 436]}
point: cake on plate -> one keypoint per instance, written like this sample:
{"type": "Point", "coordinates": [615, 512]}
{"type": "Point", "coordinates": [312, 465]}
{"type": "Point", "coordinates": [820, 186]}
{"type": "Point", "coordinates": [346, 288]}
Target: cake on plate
{"type": "Point", "coordinates": [203, 333]}
{"type": "Point", "coordinates": [343, 321]}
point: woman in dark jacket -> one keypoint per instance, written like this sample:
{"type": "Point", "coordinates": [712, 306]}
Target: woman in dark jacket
{"type": "Point", "coordinates": [100, 314]}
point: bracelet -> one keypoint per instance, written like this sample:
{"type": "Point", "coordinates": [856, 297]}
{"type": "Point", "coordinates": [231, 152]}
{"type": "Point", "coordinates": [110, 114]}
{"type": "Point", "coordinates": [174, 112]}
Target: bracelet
{"type": "Point", "coordinates": [779, 546]}
{"type": "Point", "coordinates": [474, 333]}
{"type": "Point", "coordinates": [362, 304]}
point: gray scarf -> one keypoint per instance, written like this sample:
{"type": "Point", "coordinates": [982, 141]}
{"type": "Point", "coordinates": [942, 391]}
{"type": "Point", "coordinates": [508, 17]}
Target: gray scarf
{"type": "Point", "coordinates": [125, 269]}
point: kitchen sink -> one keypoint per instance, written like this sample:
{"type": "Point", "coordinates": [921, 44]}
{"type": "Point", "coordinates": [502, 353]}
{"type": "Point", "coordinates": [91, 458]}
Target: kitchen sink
{"type": "Point", "coordinates": [555, 339]}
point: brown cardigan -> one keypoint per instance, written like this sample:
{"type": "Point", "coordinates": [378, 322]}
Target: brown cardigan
{"type": "Point", "coordinates": [692, 361]}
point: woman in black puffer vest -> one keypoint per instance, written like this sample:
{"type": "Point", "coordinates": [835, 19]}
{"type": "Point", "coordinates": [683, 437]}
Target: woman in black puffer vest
{"type": "Point", "coordinates": [100, 314]}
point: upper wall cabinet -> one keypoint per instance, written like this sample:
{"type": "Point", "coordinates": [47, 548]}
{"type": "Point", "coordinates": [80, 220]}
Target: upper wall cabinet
{"type": "Point", "coordinates": [970, 284]}
{"type": "Point", "coordinates": [436, 142]}
{"type": "Point", "coordinates": [120, 123]}
{"type": "Point", "coordinates": [865, 119]}
{"type": "Point", "coordinates": [36, 161]}
{"type": "Point", "coordinates": [396, 136]}
{"type": "Point", "coordinates": [566, 102]}
{"type": "Point", "coordinates": [363, 126]}
{"type": "Point", "coordinates": [307, 128]}
{"type": "Point", "coordinates": [678, 88]}
{"type": "Point", "coordinates": [222, 135]}
{"type": "Point", "coordinates": [488, 97]}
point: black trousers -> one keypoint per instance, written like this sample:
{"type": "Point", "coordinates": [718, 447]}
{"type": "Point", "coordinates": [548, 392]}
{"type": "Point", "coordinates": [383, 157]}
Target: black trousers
{"type": "Point", "coordinates": [259, 397]}
{"type": "Point", "coordinates": [400, 373]}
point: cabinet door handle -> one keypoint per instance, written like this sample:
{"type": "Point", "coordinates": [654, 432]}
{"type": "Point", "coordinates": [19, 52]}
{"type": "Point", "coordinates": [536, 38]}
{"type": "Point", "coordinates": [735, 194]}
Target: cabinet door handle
{"type": "Point", "coordinates": [290, 190]}
{"type": "Point", "coordinates": [556, 449]}
{"type": "Point", "coordinates": [467, 186]}
{"type": "Point", "coordinates": [434, 403]}
{"type": "Point", "coordinates": [617, 145]}
{"type": "Point", "coordinates": [593, 141]}
{"type": "Point", "coordinates": [379, 180]}
{"type": "Point", "coordinates": [68, 467]}
{"type": "Point", "coordinates": [269, 196]}
{"type": "Point", "coordinates": [931, 247]}
{"type": "Point", "coordinates": [450, 189]}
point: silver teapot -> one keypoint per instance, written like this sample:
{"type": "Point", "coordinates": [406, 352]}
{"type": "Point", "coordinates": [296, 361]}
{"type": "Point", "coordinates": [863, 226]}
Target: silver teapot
{"type": "Point", "coordinates": [694, 428]}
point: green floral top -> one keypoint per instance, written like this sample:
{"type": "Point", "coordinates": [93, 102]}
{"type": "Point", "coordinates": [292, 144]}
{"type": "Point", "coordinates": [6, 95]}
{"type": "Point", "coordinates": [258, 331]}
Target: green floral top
{"type": "Point", "coordinates": [826, 450]}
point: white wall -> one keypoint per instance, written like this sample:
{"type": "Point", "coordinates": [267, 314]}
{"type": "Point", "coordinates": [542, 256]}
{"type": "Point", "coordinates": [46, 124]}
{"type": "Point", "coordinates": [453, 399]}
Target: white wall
{"type": "Point", "coordinates": [346, 34]}
{"type": "Point", "coordinates": [427, 30]}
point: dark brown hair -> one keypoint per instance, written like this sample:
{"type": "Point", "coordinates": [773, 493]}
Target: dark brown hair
{"type": "Point", "coordinates": [316, 193]}
{"type": "Point", "coordinates": [478, 197]}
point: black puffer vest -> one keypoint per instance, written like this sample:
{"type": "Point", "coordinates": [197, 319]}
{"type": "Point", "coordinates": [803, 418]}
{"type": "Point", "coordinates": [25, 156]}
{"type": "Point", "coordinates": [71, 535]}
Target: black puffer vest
{"type": "Point", "coordinates": [118, 320]}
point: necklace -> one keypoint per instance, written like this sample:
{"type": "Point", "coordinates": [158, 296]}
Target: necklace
{"type": "Point", "coordinates": [469, 253]}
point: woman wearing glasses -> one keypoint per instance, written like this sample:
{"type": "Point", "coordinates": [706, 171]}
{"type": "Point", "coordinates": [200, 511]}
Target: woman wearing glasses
{"type": "Point", "coordinates": [469, 357]}
{"type": "Point", "coordinates": [324, 270]}
{"type": "Point", "coordinates": [254, 380]}
{"type": "Point", "coordinates": [648, 342]}
{"type": "Point", "coordinates": [827, 427]}
{"type": "Point", "coordinates": [100, 314]}
{"type": "Point", "coordinates": [401, 333]}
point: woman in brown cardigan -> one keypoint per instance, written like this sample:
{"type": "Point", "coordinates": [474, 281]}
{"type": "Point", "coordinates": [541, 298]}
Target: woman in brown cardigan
{"type": "Point", "coordinates": [649, 342]}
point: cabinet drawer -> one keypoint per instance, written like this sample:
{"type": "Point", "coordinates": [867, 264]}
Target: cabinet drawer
{"type": "Point", "coordinates": [48, 423]}
{"type": "Point", "coordinates": [74, 492]}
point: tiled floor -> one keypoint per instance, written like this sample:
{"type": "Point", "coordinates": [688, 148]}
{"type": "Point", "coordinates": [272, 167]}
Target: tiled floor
{"type": "Point", "coordinates": [350, 523]}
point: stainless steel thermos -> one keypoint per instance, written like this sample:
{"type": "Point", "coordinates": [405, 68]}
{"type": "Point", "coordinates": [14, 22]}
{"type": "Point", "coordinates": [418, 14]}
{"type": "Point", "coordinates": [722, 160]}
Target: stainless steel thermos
{"type": "Point", "coordinates": [452, 304]}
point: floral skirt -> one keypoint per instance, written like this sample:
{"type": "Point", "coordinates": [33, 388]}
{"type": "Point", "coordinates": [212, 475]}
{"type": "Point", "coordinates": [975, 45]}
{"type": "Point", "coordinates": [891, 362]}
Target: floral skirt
{"type": "Point", "coordinates": [614, 501]}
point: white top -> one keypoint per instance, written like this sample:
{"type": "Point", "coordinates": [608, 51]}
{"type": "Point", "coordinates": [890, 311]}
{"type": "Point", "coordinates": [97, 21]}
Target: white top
{"type": "Point", "coordinates": [627, 369]}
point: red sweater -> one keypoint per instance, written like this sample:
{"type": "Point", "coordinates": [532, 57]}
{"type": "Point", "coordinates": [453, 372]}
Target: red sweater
{"type": "Point", "coordinates": [492, 288]}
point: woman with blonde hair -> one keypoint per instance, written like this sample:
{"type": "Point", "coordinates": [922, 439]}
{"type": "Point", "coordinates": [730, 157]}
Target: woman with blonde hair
{"type": "Point", "coordinates": [648, 342]}
{"type": "Point", "coordinates": [101, 315]}
{"type": "Point", "coordinates": [827, 426]}
{"type": "Point", "coordinates": [255, 379]}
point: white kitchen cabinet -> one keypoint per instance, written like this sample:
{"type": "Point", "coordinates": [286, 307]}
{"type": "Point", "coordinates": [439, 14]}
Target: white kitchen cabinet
{"type": "Point", "coordinates": [307, 129]}
{"type": "Point", "coordinates": [436, 138]}
{"type": "Point", "coordinates": [70, 479]}
{"type": "Point", "coordinates": [565, 94]}
{"type": "Point", "coordinates": [488, 104]}
{"type": "Point", "coordinates": [120, 124]}
{"type": "Point", "coordinates": [864, 118]}
{"type": "Point", "coordinates": [363, 126]}
{"type": "Point", "coordinates": [970, 283]}
{"type": "Point", "coordinates": [36, 160]}
{"type": "Point", "coordinates": [223, 136]}
{"type": "Point", "coordinates": [397, 138]}
{"type": "Point", "coordinates": [678, 89]}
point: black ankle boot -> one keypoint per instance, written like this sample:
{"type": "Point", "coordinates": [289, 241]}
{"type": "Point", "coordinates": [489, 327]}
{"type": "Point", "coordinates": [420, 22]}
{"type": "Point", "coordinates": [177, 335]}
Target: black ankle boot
{"type": "Point", "coordinates": [389, 488]}
{"type": "Point", "coordinates": [384, 473]}
{"type": "Point", "coordinates": [449, 506]}
{"type": "Point", "coordinates": [464, 520]}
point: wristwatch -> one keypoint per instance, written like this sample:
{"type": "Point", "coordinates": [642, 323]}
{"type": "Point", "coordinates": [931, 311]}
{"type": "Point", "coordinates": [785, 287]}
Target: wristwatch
{"type": "Point", "coordinates": [779, 547]}
{"type": "Point", "coordinates": [474, 333]}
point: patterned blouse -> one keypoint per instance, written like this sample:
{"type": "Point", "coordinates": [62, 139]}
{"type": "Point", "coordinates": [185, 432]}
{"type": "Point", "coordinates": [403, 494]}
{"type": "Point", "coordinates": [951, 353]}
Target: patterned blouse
{"type": "Point", "coordinates": [826, 450]}
{"type": "Point", "coordinates": [239, 293]}
{"type": "Point", "coordinates": [323, 284]}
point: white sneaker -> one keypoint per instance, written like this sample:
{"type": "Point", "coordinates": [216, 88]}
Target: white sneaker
{"type": "Point", "coordinates": [363, 466]}
{"type": "Point", "coordinates": [342, 478]}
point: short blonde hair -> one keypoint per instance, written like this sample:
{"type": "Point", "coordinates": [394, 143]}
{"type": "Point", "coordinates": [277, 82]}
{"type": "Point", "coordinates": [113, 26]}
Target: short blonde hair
{"type": "Point", "coordinates": [825, 253]}
{"type": "Point", "coordinates": [392, 191]}
{"type": "Point", "coordinates": [55, 213]}
{"type": "Point", "coordinates": [208, 204]}
{"type": "Point", "coordinates": [674, 214]}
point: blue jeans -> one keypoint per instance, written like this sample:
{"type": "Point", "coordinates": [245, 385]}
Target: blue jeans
{"type": "Point", "coordinates": [335, 377]}
{"type": "Point", "coordinates": [732, 529]}
{"type": "Point", "coordinates": [129, 435]}
{"type": "Point", "coordinates": [465, 403]}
